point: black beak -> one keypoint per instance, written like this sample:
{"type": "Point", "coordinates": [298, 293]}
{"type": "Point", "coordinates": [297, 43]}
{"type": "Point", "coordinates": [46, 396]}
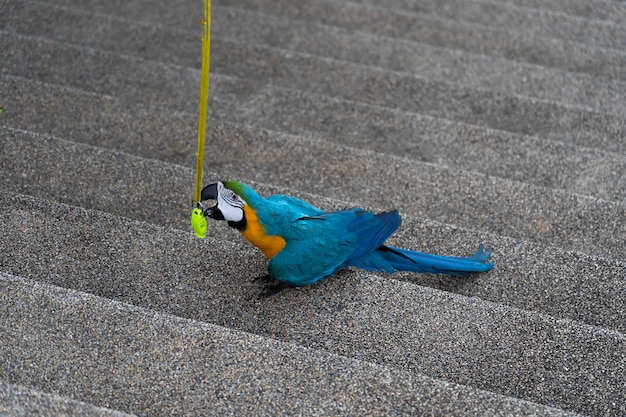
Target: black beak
{"type": "Point", "coordinates": [209, 192]}
{"type": "Point", "coordinates": [214, 213]}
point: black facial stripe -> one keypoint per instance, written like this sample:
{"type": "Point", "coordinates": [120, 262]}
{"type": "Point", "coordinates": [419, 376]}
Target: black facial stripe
{"type": "Point", "coordinates": [214, 213]}
{"type": "Point", "coordinates": [240, 225]}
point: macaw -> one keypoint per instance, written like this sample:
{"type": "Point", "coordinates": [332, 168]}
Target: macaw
{"type": "Point", "coordinates": [305, 244]}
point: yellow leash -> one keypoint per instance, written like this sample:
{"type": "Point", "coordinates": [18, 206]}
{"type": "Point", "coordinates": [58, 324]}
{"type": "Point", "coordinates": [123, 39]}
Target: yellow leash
{"type": "Point", "coordinates": [198, 221]}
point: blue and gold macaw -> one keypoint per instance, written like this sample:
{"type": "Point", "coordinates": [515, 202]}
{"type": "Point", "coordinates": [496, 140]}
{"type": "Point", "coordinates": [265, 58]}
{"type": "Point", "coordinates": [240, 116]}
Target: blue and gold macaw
{"type": "Point", "coordinates": [305, 244]}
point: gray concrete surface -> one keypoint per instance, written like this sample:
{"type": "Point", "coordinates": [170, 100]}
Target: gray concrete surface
{"type": "Point", "coordinates": [527, 275]}
{"type": "Point", "coordinates": [499, 122]}
{"type": "Point", "coordinates": [400, 325]}
{"type": "Point", "coordinates": [184, 367]}
{"type": "Point", "coordinates": [432, 63]}
{"type": "Point", "coordinates": [521, 46]}
{"type": "Point", "coordinates": [444, 194]}
{"type": "Point", "coordinates": [590, 168]}
{"type": "Point", "coordinates": [19, 401]}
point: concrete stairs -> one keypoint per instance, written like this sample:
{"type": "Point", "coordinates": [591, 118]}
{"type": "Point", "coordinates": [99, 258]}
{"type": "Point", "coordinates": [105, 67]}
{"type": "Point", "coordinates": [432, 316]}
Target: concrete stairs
{"type": "Point", "coordinates": [494, 122]}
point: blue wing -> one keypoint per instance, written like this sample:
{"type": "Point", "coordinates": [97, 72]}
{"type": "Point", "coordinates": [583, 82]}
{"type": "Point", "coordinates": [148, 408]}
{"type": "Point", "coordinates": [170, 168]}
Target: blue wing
{"type": "Point", "coordinates": [369, 232]}
{"type": "Point", "coordinates": [319, 245]}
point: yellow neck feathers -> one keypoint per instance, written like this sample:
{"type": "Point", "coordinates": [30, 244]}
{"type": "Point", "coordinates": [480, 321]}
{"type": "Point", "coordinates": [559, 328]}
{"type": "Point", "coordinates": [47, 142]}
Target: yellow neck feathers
{"type": "Point", "coordinates": [255, 233]}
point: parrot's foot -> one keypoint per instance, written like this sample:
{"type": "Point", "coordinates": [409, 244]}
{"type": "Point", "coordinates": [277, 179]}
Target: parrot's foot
{"type": "Point", "coordinates": [275, 289]}
{"type": "Point", "coordinates": [264, 278]}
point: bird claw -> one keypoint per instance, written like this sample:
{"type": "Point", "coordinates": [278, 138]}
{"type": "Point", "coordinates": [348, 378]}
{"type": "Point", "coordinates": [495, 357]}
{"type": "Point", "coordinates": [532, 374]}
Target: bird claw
{"type": "Point", "coordinates": [264, 278]}
{"type": "Point", "coordinates": [274, 289]}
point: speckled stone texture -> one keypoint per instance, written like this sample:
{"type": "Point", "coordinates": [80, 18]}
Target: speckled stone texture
{"type": "Point", "coordinates": [184, 367]}
{"type": "Point", "coordinates": [19, 401]}
{"type": "Point", "coordinates": [484, 122]}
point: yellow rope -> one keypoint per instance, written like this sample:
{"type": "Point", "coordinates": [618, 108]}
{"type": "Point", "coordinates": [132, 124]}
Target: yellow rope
{"type": "Point", "coordinates": [204, 97]}
{"type": "Point", "coordinates": [198, 221]}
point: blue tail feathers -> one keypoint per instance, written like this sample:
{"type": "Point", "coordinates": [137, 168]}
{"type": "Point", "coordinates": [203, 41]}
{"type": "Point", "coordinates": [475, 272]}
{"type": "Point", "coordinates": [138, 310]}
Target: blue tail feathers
{"type": "Point", "coordinates": [391, 259]}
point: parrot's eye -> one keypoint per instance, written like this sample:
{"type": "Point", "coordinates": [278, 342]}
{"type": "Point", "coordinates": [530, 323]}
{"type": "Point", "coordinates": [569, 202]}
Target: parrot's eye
{"type": "Point", "coordinates": [231, 198]}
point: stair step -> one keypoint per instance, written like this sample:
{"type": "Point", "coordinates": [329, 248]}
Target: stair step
{"type": "Point", "coordinates": [424, 61]}
{"type": "Point", "coordinates": [447, 195]}
{"type": "Point", "coordinates": [525, 46]}
{"type": "Point", "coordinates": [394, 324]}
{"type": "Point", "coordinates": [152, 363]}
{"type": "Point", "coordinates": [607, 10]}
{"type": "Point", "coordinates": [159, 43]}
{"type": "Point", "coordinates": [171, 86]}
{"type": "Point", "coordinates": [499, 15]}
{"type": "Point", "coordinates": [529, 276]}
{"type": "Point", "coordinates": [16, 400]}
{"type": "Point", "coordinates": [564, 166]}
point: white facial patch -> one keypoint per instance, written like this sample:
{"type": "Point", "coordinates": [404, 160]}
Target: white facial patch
{"type": "Point", "coordinates": [229, 203]}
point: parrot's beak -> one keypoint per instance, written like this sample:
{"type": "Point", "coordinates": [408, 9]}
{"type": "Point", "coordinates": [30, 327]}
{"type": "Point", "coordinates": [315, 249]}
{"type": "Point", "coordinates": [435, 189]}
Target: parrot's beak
{"type": "Point", "coordinates": [214, 213]}
{"type": "Point", "coordinates": [209, 192]}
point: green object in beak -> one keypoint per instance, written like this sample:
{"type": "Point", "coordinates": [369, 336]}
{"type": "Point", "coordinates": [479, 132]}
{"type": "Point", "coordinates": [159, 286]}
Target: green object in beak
{"type": "Point", "coordinates": [198, 222]}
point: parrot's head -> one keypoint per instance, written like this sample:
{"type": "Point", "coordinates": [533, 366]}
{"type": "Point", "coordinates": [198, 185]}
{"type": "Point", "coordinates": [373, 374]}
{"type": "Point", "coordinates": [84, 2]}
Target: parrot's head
{"type": "Point", "coordinates": [239, 205]}
{"type": "Point", "coordinates": [230, 203]}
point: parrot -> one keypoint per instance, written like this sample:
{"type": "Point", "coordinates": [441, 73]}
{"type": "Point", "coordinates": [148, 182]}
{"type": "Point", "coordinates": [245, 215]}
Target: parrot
{"type": "Point", "coordinates": [305, 244]}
